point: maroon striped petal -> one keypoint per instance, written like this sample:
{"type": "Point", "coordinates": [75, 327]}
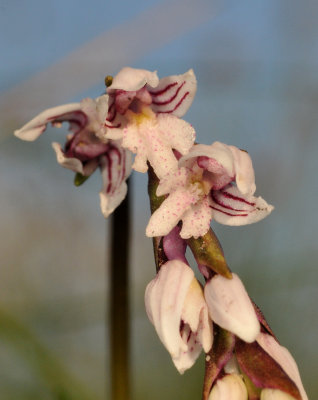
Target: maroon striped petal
{"type": "Point", "coordinates": [114, 122]}
{"type": "Point", "coordinates": [115, 168]}
{"type": "Point", "coordinates": [230, 207]}
{"type": "Point", "coordinates": [174, 94]}
{"type": "Point", "coordinates": [71, 113]}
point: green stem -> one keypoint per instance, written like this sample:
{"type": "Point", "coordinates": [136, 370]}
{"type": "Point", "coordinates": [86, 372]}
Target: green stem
{"type": "Point", "coordinates": [119, 305]}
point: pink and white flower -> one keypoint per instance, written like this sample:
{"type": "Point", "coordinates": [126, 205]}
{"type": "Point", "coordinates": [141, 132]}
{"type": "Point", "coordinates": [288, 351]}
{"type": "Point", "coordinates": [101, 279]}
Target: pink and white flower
{"type": "Point", "coordinates": [86, 149]}
{"type": "Point", "coordinates": [215, 181]}
{"type": "Point", "coordinates": [145, 113]}
{"type": "Point", "coordinates": [176, 307]}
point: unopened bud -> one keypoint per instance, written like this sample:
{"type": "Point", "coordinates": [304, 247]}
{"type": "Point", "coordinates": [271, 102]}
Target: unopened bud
{"type": "Point", "coordinates": [231, 308]}
{"type": "Point", "coordinates": [229, 388]}
{"type": "Point", "coordinates": [79, 179]}
{"type": "Point", "coordinates": [108, 80]}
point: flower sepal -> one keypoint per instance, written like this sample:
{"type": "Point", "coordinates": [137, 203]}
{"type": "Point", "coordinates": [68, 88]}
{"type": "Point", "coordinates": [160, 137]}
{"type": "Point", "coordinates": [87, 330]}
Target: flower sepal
{"type": "Point", "coordinates": [217, 357]}
{"type": "Point", "coordinates": [263, 370]}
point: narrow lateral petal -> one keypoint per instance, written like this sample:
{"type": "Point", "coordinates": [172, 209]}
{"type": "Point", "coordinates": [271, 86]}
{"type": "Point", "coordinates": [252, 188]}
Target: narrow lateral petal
{"type": "Point", "coordinates": [115, 167]}
{"type": "Point", "coordinates": [230, 207]}
{"type": "Point", "coordinates": [231, 308]}
{"type": "Point", "coordinates": [244, 171]}
{"type": "Point", "coordinates": [174, 94]}
{"type": "Point", "coordinates": [71, 113]}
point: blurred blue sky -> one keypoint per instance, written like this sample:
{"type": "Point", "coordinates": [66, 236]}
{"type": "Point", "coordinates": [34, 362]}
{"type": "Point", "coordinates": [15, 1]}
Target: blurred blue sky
{"type": "Point", "coordinates": [256, 65]}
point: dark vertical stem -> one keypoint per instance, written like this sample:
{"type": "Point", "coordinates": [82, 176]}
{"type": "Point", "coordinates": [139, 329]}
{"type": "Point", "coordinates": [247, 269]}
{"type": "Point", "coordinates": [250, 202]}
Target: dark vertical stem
{"type": "Point", "coordinates": [119, 305]}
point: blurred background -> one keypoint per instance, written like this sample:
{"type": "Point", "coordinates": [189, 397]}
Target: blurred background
{"type": "Point", "coordinates": [256, 63]}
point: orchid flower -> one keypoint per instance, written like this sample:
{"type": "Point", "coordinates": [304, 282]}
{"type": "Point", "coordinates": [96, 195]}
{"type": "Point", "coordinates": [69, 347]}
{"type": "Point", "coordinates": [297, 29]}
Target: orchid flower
{"type": "Point", "coordinates": [215, 181]}
{"type": "Point", "coordinates": [85, 150]}
{"type": "Point", "coordinates": [145, 113]}
{"type": "Point", "coordinates": [176, 307]}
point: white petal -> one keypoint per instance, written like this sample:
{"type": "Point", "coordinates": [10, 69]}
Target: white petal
{"type": "Point", "coordinates": [196, 220]}
{"type": "Point", "coordinates": [170, 212]}
{"type": "Point", "coordinates": [158, 150]}
{"type": "Point", "coordinates": [96, 109]}
{"type": "Point", "coordinates": [244, 171]}
{"type": "Point", "coordinates": [195, 313]}
{"type": "Point", "coordinates": [179, 134]}
{"type": "Point", "coordinates": [164, 299]}
{"type": "Point", "coordinates": [186, 359]}
{"type": "Point", "coordinates": [283, 357]}
{"type": "Point", "coordinates": [231, 387]}
{"type": "Point", "coordinates": [115, 168]}
{"type": "Point", "coordinates": [174, 94]}
{"type": "Point", "coordinates": [275, 394]}
{"type": "Point", "coordinates": [73, 164]}
{"type": "Point", "coordinates": [176, 306]}
{"type": "Point", "coordinates": [231, 308]}
{"type": "Point", "coordinates": [218, 151]}
{"type": "Point", "coordinates": [230, 207]}
{"type": "Point", "coordinates": [136, 144]}
{"type": "Point", "coordinates": [131, 79]}
{"type": "Point", "coordinates": [68, 112]}
{"type": "Point", "coordinates": [173, 180]}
